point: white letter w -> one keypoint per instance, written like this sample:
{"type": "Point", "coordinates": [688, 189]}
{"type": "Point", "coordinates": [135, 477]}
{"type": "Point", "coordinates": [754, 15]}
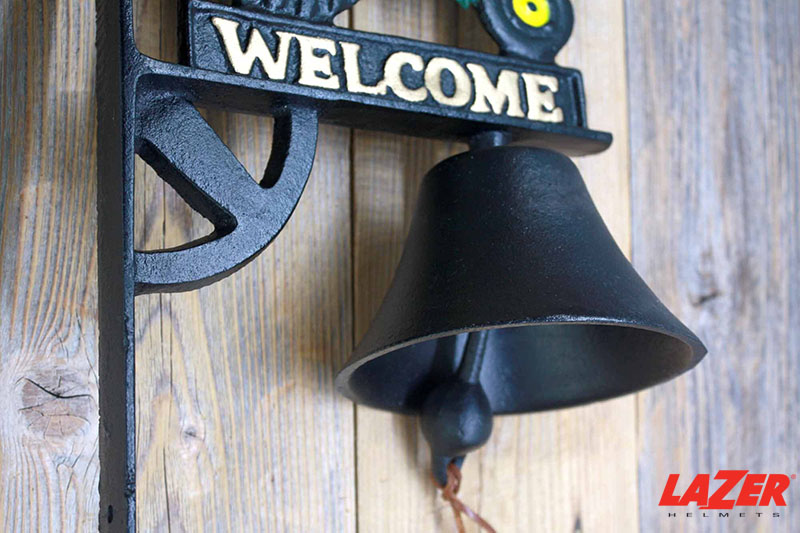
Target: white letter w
{"type": "Point", "coordinates": [242, 61]}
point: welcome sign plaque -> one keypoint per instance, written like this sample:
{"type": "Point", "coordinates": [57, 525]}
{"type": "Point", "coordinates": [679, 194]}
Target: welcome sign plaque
{"type": "Point", "coordinates": [374, 81]}
{"type": "Point", "coordinates": [381, 71]}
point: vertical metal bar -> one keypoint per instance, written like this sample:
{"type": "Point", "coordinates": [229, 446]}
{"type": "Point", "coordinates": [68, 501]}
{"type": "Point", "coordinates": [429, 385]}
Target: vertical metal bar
{"type": "Point", "coordinates": [115, 150]}
{"type": "Point", "coordinates": [469, 371]}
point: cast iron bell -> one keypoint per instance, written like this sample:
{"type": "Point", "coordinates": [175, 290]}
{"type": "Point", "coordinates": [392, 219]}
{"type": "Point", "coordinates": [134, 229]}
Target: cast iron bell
{"type": "Point", "coordinates": [511, 296]}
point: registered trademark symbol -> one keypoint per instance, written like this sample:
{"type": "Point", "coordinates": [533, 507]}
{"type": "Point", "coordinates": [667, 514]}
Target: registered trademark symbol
{"type": "Point", "coordinates": [794, 476]}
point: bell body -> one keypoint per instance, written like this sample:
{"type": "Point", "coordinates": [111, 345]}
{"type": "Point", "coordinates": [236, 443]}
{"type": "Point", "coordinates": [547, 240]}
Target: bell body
{"type": "Point", "coordinates": [507, 239]}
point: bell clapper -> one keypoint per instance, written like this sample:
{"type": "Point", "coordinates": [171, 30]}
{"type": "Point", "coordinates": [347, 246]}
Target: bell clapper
{"type": "Point", "coordinates": [457, 419]}
{"type": "Point", "coordinates": [456, 415]}
{"type": "Point", "coordinates": [469, 371]}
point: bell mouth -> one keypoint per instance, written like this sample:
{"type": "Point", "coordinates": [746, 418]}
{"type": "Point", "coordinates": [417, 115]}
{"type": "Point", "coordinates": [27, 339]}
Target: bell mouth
{"type": "Point", "coordinates": [528, 367]}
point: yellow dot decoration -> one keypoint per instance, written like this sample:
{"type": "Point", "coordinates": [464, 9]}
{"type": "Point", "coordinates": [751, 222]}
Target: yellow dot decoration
{"type": "Point", "coordinates": [534, 13]}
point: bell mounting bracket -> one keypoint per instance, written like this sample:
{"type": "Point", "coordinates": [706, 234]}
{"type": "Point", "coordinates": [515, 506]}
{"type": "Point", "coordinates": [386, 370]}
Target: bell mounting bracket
{"type": "Point", "coordinates": [287, 60]}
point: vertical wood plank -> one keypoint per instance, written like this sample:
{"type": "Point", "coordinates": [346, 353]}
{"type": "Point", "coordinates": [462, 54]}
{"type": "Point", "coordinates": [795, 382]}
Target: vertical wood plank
{"type": "Point", "coordinates": [239, 428]}
{"type": "Point", "coordinates": [48, 302]}
{"type": "Point", "coordinates": [715, 116]}
{"type": "Point", "coordinates": [394, 490]}
{"type": "Point", "coordinates": [541, 472]}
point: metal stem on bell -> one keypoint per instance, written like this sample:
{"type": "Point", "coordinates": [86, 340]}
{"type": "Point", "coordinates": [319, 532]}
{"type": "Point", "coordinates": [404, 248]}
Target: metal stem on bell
{"type": "Point", "coordinates": [456, 416]}
{"type": "Point", "coordinates": [469, 371]}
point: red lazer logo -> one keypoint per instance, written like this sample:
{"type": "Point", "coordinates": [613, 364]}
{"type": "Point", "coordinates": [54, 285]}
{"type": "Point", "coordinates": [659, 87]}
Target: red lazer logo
{"type": "Point", "coordinates": [767, 487]}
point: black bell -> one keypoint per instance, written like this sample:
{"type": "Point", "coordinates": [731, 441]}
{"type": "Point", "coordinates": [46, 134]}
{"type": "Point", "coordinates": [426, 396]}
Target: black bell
{"type": "Point", "coordinates": [506, 241]}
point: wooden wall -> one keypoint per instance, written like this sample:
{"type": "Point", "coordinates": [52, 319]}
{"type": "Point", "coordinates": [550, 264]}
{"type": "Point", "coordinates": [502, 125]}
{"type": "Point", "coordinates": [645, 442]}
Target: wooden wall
{"type": "Point", "coordinates": [239, 428]}
{"type": "Point", "coordinates": [715, 190]}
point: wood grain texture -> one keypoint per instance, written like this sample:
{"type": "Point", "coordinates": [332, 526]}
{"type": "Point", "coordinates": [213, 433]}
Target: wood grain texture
{"type": "Point", "coordinates": [48, 298]}
{"type": "Point", "coordinates": [541, 472]}
{"type": "Point", "coordinates": [394, 490]}
{"type": "Point", "coordinates": [239, 427]}
{"type": "Point", "coordinates": [715, 131]}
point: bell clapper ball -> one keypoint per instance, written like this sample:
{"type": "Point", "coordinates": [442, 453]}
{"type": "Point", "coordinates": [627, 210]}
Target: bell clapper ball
{"type": "Point", "coordinates": [456, 416]}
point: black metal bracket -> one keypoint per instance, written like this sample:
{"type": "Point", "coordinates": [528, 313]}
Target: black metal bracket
{"type": "Point", "coordinates": [284, 59]}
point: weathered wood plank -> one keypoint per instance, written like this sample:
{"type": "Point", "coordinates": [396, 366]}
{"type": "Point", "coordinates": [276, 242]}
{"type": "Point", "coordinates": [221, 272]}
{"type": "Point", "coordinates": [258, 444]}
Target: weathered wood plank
{"type": "Point", "coordinates": [715, 115]}
{"type": "Point", "coordinates": [48, 302]}
{"type": "Point", "coordinates": [541, 471]}
{"type": "Point", "coordinates": [394, 490]}
{"type": "Point", "coordinates": [239, 428]}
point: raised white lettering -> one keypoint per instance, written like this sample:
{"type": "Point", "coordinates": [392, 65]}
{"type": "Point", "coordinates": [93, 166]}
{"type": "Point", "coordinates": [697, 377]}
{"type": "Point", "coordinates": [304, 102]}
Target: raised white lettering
{"type": "Point", "coordinates": [433, 81]}
{"type": "Point", "coordinates": [242, 61]}
{"type": "Point", "coordinates": [394, 79]}
{"type": "Point", "coordinates": [541, 90]}
{"type": "Point", "coordinates": [488, 94]}
{"type": "Point", "coordinates": [352, 71]}
{"type": "Point", "coordinates": [315, 70]}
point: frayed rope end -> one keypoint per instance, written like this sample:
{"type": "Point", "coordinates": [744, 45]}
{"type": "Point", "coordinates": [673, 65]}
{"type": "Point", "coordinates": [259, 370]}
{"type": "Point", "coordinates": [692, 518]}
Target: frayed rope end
{"type": "Point", "coordinates": [449, 492]}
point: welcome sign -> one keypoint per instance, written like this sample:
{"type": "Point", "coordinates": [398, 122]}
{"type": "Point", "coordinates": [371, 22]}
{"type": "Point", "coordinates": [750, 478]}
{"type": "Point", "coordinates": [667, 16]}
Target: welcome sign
{"type": "Point", "coordinates": [336, 64]}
